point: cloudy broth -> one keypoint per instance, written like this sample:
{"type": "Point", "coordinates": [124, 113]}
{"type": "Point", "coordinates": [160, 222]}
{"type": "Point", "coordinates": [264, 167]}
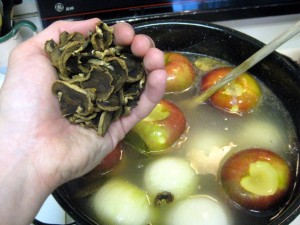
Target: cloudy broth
{"type": "Point", "coordinates": [209, 129]}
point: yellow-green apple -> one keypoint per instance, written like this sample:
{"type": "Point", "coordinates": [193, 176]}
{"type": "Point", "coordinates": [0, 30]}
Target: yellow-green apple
{"type": "Point", "coordinates": [159, 130]}
{"type": "Point", "coordinates": [180, 70]}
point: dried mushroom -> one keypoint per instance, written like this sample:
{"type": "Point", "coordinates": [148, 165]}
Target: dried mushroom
{"type": "Point", "coordinates": [97, 81]}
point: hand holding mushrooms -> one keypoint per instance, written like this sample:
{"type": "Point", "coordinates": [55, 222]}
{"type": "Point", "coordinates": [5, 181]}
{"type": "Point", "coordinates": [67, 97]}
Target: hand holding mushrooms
{"type": "Point", "coordinates": [46, 139]}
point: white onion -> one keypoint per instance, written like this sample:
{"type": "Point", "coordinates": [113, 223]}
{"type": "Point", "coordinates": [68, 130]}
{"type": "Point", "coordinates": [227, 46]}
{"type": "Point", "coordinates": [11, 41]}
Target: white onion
{"type": "Point", "coordinates": [208, 141]}
{"type": "Point", "coordinates": [120, 202]}
{"type": "Point", "coordinates": [196, 210]}
{"type": "Point", "coordinates": [262, 134]}
{"type": "Point", "coordinates": [170, 175]}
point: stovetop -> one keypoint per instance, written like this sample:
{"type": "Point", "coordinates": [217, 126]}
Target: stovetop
{"type": "Point", "coordinates": [263, 29]}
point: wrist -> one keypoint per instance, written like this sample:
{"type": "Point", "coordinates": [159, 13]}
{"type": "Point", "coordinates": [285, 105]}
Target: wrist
{"type": "Point", "coordinates": [22, 190]}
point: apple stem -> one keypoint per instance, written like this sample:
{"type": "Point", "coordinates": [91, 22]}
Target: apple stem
{"type": "Point", "coordinates": [248, 63]}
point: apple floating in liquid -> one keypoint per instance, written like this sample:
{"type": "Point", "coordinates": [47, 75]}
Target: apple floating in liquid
{"type": "Point", "coordinates": [180, 70]}
{"type": "Point", "coordinates": [109, 161]}
{"type": "Point", "coordinates": [238, 96]}
{"type": "Point", "coordinates": [256, 179]}
{"type": "Point", "coordinates": [159, 130]}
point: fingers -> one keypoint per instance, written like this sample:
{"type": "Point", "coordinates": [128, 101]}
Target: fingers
{"type": "Point", "coordinates": [156, 82]}
{"type": "Point", "coordinates": [123, 33]}
{"type": "Point", "coordinates": [154, 91]}
{"type": "Point", "coordinates": [141, 44]}
{"type": "Point", "coordinates": [154, 59]}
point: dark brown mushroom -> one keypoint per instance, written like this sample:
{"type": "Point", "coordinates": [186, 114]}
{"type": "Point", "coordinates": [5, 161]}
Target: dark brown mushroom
{"type": "Point", "coordinates": [110, 104]}
{"type": "Point", "coordinates": [101, 80]}
{"type": "Point", "coordinates": [98, 82]}
{"type": "Point", "coordinates": [72, 98]}
{"type": "Point", "coordinates": [104, 122]}
{"type": "Point", "coordinates": [102, 38]}
{"type": "Point", "coordinates": [135, 68]}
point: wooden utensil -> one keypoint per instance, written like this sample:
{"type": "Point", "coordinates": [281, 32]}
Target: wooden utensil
{"type": "Point", "coordinates": [248, 63]}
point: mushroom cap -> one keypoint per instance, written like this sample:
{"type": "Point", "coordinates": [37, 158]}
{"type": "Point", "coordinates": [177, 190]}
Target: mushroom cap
{"type": "Point", "coordinates": [98, 82]}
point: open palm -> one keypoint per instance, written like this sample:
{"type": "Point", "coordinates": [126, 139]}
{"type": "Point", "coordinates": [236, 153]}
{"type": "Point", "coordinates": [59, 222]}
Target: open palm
{"type": "Point", "coordinates": [31, 118]}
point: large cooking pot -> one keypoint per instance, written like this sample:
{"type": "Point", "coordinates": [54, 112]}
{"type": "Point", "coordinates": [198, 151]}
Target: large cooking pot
{"type": "Point", "coordinates": [278, 72]}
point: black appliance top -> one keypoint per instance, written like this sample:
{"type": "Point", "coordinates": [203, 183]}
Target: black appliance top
{"type": "Point", "coordinates": [136, 10]}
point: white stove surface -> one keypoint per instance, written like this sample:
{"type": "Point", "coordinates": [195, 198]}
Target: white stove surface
{"type": "Point", "coordinates": [52, 213]}
{"type": "Point", "coordinates": [263, 29]}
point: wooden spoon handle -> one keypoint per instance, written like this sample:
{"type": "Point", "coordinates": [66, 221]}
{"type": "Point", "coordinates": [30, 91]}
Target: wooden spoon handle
{"type": "Point", "coordinates": [248, 63]}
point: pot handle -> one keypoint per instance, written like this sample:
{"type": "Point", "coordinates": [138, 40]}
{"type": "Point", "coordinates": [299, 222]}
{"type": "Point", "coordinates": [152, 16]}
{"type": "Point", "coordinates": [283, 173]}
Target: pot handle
{"type": "Point", "coordinates": [37, 222]}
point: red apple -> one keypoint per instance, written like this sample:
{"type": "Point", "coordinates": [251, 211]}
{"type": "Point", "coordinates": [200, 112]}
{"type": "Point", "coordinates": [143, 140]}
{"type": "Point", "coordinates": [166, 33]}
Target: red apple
{"type": "Point", "coordinates": [159, 130]}
{"type": "Point", "coordinates": [238, 96]}
{"type": "Point", "coordinates": [256, 179]}
{"type": "Point", "coordinates": [109, 161]}
{"type": "Point", "coordinates": [181, 72]}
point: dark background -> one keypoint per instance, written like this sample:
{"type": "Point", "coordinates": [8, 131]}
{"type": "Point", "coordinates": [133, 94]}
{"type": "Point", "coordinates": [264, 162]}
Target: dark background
{"type": "Point", "coordinates": [112, 11]}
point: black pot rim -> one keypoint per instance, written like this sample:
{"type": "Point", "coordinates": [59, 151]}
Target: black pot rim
{"type": "Point", "coordinates": [289, 213]}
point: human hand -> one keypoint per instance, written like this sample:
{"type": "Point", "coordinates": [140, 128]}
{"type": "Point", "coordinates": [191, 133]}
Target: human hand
{"type": "Point", "coordinates": [34, 133]}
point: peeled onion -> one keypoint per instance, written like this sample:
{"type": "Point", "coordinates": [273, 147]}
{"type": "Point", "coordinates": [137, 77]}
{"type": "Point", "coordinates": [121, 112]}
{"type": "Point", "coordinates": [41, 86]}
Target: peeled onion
{"type": "Point", "coordinates": [169, 179]}
{"type": "Point", "coordinates": [263, 134]}
{"type": "Point", "coordinates": [120, 202]}
{"type": "Point", "coordinates": [197, 210]}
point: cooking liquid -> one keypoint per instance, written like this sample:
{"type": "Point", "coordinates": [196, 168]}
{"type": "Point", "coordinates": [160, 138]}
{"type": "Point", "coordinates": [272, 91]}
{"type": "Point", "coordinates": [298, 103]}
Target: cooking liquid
{"type": "Point", "coordinates": [209, 129]}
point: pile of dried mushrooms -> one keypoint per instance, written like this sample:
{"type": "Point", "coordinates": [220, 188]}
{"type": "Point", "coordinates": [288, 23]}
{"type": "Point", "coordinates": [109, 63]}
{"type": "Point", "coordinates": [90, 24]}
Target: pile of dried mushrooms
{"type": "Point", "coordinates": [97, 81]}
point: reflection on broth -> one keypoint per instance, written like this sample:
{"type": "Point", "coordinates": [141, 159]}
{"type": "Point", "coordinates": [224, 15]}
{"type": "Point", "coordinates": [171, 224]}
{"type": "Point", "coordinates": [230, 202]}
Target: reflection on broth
{"type": "Point", "coordinates": [213, 136]}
